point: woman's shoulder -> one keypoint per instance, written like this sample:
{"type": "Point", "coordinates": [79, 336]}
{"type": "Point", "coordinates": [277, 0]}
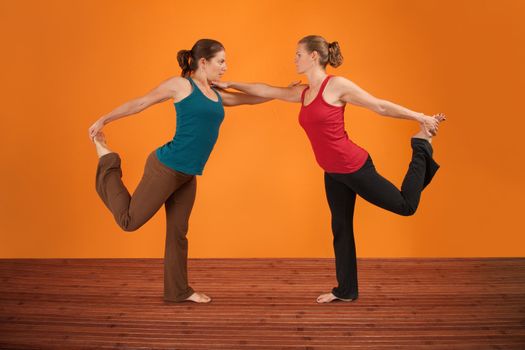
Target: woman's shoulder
{"type": "Point", "coordinates": [337, 79]}
{"type": "Point", "coordinates": [337, 82]}
{"type": "Point", "coordinates": [179, 85]}
{"type": "Point", "coordinates": [178, 82]}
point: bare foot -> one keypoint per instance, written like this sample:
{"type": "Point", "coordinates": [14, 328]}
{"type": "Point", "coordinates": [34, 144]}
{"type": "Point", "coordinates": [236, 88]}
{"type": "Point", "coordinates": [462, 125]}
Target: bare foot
{"type": "Point", "coordinates": [100, 143]}
{"type": "Point", "coordinates": [422, 134]}
{"type": "Point", "coordinates": [440, 117]}
{"type": "Point", "coordinates": [329, 297]}
{"type": "Point", "coordinates": [199, 298]}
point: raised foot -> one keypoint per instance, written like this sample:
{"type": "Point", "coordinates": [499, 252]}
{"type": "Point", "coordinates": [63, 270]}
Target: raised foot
{"type": "Point", "coordinates": [423, 134]}
{"type": "Point", "coordinates": [100, 143]}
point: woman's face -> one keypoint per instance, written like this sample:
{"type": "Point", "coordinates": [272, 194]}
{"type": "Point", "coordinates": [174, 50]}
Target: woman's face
{"type": "Point", "coordinates": [215, 67]}
{"type": "Point", "coordinates": [303, 59]}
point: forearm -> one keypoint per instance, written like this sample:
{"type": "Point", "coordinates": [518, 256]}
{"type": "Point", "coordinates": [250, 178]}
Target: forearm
{"type": "Point", "coordinates": [254, 89]}
{"type": "Point", "coordinates": [253, 100]}
{"type": "Point", "coordinates": [124, 110]}
{"type": "Point", "coordinates": [390, 109]}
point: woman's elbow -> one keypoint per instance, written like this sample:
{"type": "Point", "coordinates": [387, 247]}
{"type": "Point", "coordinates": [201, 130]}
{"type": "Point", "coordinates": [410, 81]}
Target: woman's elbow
{"type": "Point", "coordinates": [137, 105]}
{"type": "Point", "coordinates": [381, 108]}
{"type": "Point", "coordinates": [146, 102]}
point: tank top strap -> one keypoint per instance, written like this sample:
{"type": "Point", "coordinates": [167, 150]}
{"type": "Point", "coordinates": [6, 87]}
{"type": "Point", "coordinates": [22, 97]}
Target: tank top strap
{"type": "Point", "coordinates": [323, 85]}
{"type": "Point", "coordinates": [302, 94]}
{"type": "Point", "coordinates": [192, 82]}
{"type": "Point", "coordinates": [196, 88]}
{"type": "Point", "coordinates": [218, 94]}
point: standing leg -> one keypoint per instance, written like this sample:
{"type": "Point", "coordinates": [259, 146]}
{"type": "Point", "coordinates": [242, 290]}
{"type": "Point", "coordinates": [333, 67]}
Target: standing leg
{"type": "Point", "coordinates": [178, 210]}
{"type": "Point", "coordinates": [341, 200]}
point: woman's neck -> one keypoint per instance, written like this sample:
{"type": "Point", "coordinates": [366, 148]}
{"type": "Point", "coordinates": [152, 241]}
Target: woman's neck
{"type": "Point", "coordinates": [200, 77]}
{"type": "Point", "coordinates": [315, 77]}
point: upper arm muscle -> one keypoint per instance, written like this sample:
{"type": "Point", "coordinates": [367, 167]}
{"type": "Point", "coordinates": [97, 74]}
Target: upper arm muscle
{"type": "Point", "coordinates": [230, 98]}
{"type": "Point", "coordinates": [290, 94]}
{"type": "Point", "coordinates": [161, 93]}
{"type": "Point", "coordinates": [353, 94]}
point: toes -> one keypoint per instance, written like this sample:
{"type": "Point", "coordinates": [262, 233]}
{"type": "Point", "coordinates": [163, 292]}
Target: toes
{"type": "Point", "coordinates": [440, 117]}
{"type": "Point", "coordinates": [325, 298]}
{"type": "Point", "coordinates": [203, 298]}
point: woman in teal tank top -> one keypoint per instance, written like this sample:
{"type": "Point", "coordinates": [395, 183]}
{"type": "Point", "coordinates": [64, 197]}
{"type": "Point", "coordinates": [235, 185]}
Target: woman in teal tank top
{"type": "Point", "coordinates": [170, 172]}
{"type": "Point", "coordinates": [198, 121]}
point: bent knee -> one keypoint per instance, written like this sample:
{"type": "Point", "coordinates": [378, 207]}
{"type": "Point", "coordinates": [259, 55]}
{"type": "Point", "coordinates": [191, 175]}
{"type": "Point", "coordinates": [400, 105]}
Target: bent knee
{"type": "Point", "coordinates": [130, 225]}
{"type": "Point", "coordinates": [130, 228]}
{"type": "Point", "coordinates": [408, 211]}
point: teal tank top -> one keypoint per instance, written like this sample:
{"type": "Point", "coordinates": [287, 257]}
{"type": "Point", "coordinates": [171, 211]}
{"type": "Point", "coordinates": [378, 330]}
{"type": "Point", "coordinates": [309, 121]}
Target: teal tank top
{"type": "Point", "coordinates": [198, 122]}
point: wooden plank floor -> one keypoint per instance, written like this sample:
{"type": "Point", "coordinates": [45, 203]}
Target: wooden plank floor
{"type": "Point", "coordinates": [263, 304]}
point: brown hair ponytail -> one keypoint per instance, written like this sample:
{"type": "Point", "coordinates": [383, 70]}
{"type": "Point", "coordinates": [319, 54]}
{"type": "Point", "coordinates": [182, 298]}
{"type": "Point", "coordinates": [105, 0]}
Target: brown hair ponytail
{"type": "Point", "coordinates": [184, 58]}
{"type": "Point", "coordinates": [203, 48]}
{"type": "Point", "coordinates": [335, 59]}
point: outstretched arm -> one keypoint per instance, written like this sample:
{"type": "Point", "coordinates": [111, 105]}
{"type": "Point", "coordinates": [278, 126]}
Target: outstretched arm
{"type": "Point", "coordinates": [353, 94]}
{"type": "Point", "coordinates": [230, 98]}
{"type": "Point", "coordinates": [161, 93]}
{"type": "Point", "coordinates": [289, 94]}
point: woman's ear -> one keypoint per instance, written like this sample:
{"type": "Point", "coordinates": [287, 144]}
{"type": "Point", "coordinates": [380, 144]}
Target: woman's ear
{"type": "Point", "coordinates": [314, 55]}
{"type": "Point", "coordinates": [202, 62]}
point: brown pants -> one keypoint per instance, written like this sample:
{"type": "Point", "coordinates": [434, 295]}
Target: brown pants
{"type": "Point", "coordinates": [159, 185]}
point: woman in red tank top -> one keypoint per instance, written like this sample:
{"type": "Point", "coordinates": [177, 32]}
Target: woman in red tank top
{"type": "Point", "coordinates": [349, 170]}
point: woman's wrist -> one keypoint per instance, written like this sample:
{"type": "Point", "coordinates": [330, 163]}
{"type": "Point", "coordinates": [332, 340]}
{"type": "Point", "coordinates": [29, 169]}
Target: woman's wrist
{"type": "Point", "coordinates": [104, 120]}
{"type": "Point", "coordinates": [420, 117]}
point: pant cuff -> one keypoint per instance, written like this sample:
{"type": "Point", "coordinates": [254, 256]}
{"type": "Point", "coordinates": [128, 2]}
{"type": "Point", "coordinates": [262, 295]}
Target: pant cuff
{"type": "Point", "coordinates": [109, 160]}
{"type": "Point", "coordinates": [431, 167]}
{"type": "Point", "coordinates": [181, 297]}
{"type": "Point", "coordinates": [345, 296]}
{"type": "Point", "coordinates": [422, 144]}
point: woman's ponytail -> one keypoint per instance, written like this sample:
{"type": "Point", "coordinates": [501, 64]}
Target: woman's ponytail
{"type": "Point", "coordinates": [184, 58]}
{"type": "Point", "coordinates": [335, 58]}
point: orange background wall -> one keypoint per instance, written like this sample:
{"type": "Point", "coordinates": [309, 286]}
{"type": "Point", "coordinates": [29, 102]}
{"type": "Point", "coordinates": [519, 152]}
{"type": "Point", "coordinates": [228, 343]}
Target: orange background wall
{"type": "Point", "coordinates": [65, 63]}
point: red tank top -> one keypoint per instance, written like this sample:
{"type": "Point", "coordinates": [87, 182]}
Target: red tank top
{"type": "Point", "coordinates": [325, 126]}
